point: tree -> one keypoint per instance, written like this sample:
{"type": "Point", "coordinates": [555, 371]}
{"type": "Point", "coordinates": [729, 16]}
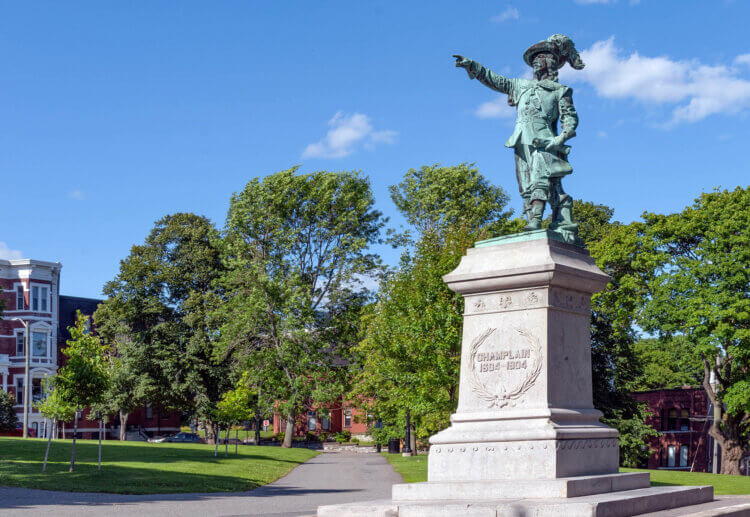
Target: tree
{"type": "Point", "coordinates": [296, 246]}
{"type": "Point", "coordinates": [166, 295]}
{"type": "Point", "coordinates": [8, 418]}
{"type": "Point", "coordinates": [615, 366]}
{"type": "Point", "coordinates": [55, 409]}
{"type": "Point", "coordinates": [699, 293]}
{"type": "Point", "coordinates": [237, 405]}
{"type": "Point", "coordinates": [667, 363]}
{"type": "Point", "coordinates": [433, 198]}
{"type": "Point", "coordinates": [129, 386]}
{"type": "Point", "coordinates": [82, 381]}
{"type": "Point", "coordinates": [409, 353]}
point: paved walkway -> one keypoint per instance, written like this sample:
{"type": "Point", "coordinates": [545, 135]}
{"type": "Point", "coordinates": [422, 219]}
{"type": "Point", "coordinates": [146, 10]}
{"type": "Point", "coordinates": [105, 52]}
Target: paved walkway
{"type": "Point", "coordinates": [328, 478]}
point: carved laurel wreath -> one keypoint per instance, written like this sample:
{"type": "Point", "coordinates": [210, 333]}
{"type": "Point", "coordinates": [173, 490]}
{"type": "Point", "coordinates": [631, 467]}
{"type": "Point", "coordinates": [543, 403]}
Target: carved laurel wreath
{"type": "Point", "coordinates": [507, 393]}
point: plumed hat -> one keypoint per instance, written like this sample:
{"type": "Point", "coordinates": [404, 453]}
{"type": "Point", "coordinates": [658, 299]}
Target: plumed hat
{"type": "Point", "coordinates": [560, 46]}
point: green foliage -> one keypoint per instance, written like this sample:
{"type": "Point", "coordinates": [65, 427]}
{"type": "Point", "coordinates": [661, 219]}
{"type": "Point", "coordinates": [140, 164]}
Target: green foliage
{"type": "Point", "coordinates": [8, 418]}
{"type": "Point", "coordinates": [83, 380]}
{"type": "Point", "coordinates": [160, 316]}
{"type": "Point", "coordinates": [53, 406]}
{"type": "Point", "coordinates": [699, 293]}
{"type": "Point", "coordinates": [343, 437]}
{"type": "Point", "coordinates": [434, 198]}
{"type": "Point", "coordinates": [667, 363]}
{"type": "Point", "coordinates": [634, 435]}
{"type": "Point", "coordinates": [296, 252]}
{"type": "Point", "coordinates": [238, 404]}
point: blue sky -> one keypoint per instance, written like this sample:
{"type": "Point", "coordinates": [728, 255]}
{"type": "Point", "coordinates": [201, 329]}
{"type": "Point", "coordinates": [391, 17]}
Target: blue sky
{"type": "Point", "coordinates": [113, 114]}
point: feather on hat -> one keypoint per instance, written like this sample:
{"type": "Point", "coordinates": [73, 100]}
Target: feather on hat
{"type": "Point", "coordinates": [560, 46]}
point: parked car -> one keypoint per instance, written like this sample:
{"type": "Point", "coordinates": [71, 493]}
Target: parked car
{"type": "Point", "coordinates": [178, 438]}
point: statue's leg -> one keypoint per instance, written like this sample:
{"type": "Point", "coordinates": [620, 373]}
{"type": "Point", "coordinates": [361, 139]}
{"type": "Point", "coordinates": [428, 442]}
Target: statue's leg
{"type": "Point", "coordinates": [554, 202]}
{"type": "Point", "coordinates": [565, 219]}
{"type": "Point", "coordinates": [523, 173]}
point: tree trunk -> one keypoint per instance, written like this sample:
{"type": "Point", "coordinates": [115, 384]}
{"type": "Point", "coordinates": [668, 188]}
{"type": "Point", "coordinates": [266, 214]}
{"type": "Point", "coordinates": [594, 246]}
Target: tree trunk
{"type": "Point", "coordinates": [257, 428]}
{"type": "Point", "coordinates": [413, 440]}
{"type": "Point", "coordinates": [226, 441]}
{"type": "Point", "coordinates": [236, 440]}
{"type": "Point", "coordinates": [212, 432]}
{"type": "Point", "coordinates": [216, 441]}
{"type": "Point", "coordinates": [123, 425]}
{"type": "Point", "coordinates": [289, 434]}
{"type": "Point", "coordinates": [730, 460]}
{"type": "Point", "coordinates": [46, 454]}
{"type": "Point", "coordinates": [101, 428]}
{"type": "Point", "coordinates": [63, 426]}
{"type": "Point", "coordinates": [73, 449]}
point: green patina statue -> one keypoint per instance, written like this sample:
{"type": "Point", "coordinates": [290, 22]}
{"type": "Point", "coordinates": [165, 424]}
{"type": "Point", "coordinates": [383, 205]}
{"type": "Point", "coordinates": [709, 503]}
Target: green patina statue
{"type": "Point", "coordinates": [541, 153]}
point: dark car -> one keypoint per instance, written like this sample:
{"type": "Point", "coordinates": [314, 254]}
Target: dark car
{"type": "Point", "coordinates": [180, 438]}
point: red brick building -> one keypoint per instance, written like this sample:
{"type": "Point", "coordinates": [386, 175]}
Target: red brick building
{"type": "Point", "coordinates": [30, 290]}
{"type": "Point", "coordinates": [337, 418]}
{"type": "Point", "coordinates": [682, 417]}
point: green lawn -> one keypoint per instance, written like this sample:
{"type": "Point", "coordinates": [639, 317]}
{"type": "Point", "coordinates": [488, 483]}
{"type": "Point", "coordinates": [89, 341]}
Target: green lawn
{"type": "Point", "coordinates": [143, 468]}
{"type": "Point", "coordinates": [414, 469]}
{"type": "Point", "coordinates": [243, 434]}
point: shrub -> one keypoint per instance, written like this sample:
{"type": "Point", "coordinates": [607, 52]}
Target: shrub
{"type": "Point", "coordinates": [324, 436]}
{"type": "Point", "coordinates": [279, 437]}
{"type": "Point", "coordinates": [311, 436]}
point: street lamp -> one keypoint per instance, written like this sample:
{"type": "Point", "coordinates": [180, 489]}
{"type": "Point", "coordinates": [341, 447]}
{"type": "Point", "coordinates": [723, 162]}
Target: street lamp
{"type": "Point", "coordinates": [27, 380]}
{"type": "Point", "coordinates": [407, 446]}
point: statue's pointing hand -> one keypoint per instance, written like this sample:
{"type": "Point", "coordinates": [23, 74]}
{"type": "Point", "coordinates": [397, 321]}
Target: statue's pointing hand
{"type": "Point", "coordinates": [461, 61]}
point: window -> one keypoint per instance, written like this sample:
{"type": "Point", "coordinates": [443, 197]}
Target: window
{"type": "Point", "coordinates": [347, 418]}
{"type": "Point", "coordinates": [37, 395]}
{"type": "Point", "coordinates": [35, 428]}
{"type": "Point", "coordinates": [685, 420]}
{"type": "Point", "coordinates": [39, 298]}
{"type": "Point", "coordinates": [672, 420]}
{"type": "Point", "coordinates": [671, 453]}
{"type": "Point", "coordinates": [19, 342]}
{"type": "Point", "coordinates": [39, 344]}
{"type": "Point", "coordinates": [325, 423]}
{"type": "Point", "coordinates": [312, 421]}
{"type": "Point", "coordinates": [149, 411]}
{"type": "Point", "coordinates": [19, 391]}
{"type": "Point", "coordinates": [19, 298]}
{"type": "Point", "coordinates": [684, 456]}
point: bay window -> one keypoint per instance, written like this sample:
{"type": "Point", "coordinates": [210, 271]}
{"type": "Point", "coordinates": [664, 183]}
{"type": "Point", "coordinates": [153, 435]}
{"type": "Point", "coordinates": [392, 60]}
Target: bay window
{"type": "Point", "coordinates": [39, 344]}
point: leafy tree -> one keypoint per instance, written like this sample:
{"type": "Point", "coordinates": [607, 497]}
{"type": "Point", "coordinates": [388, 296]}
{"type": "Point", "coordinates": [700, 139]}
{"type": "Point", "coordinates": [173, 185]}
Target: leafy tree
{"type": "Point", "coordinates": [55, 409]}
{"type": "Point", "coordinates": [434, 198]}
{"type": "Point", "coordinates": [296, 252]}
{"type": "Point", "coordinates": [700, 293]}
{"type": "Point", "coordinates": [165, 295]}
{"type": "Point", "coordinates": [8, 418]}
{"type": "Point", "coordinates": [237, 405]}
{"type": "Point", "coordinates": [667, 363]}
{"type": "Point", "coordinates": [615, 365]}
{"type": "Point", "coordinates": [82, 381]}
{"type": "Point", "coordinates": [409, 353]}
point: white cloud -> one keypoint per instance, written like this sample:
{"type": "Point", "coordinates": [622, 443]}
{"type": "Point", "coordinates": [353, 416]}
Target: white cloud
{"type": "Point", "coordinates": [696, 89]}
{"type": "Point", "coordinates": [77, 195]}
{"type": "Point", "coordinates": [496, 108]}
{"type": "Point", "coordinates": [8, 254]}
{"type": "Point", "coordinates": [347, 132]}
{"type": "Point", "coordinates": [510, 13]}
{"type": "Point", "coordinates": [743, 59]}
{"type": "Point", "coordinates": [601, 134]}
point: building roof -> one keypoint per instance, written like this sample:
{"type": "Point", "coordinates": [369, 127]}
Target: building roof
{"type": "Point", "coordinates": [67, 313]}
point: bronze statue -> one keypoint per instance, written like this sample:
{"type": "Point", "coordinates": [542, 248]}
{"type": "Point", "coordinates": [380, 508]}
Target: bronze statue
{"type": "Point", "coordinates": [540, 150]}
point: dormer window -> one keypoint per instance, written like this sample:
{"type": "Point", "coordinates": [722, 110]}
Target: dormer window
{"type": "Point", "coordinates": [19, 343]}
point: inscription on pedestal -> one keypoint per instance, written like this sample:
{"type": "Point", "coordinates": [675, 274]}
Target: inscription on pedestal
{"type": "Point", "coordinates": [504, 367]}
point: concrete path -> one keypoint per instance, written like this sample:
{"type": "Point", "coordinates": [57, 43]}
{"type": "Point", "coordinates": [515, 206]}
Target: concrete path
{"type": "Point", "coordinates": [329, 478]}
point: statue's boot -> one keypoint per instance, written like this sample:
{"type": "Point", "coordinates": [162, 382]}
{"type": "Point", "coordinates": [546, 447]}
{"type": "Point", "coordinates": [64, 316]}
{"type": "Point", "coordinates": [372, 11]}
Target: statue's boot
{"type": "Point", "coordinates": [535, 216]}
{"type": "Point", "coordinates": [566, 217]}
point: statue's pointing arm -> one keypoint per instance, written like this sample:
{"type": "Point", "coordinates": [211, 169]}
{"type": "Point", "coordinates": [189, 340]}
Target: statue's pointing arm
{"type": "Point", "coordinates": [485, 76]}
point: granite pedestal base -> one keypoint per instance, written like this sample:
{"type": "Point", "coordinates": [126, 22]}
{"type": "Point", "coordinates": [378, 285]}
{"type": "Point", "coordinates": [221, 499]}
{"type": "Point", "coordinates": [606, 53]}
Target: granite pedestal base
{"type": "Point", "coordinates": [525, 439]}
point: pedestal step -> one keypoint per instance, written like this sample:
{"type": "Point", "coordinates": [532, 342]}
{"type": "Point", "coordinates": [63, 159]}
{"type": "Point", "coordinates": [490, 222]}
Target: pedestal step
{"type": "Point", "coordinates": [613, 504]}
{"type": "Point", "coordinates": [531, 488]}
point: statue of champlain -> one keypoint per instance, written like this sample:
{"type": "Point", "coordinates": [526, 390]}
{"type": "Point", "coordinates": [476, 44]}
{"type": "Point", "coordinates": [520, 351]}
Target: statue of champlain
{"type": "Point", "coordinates": [541, 153]}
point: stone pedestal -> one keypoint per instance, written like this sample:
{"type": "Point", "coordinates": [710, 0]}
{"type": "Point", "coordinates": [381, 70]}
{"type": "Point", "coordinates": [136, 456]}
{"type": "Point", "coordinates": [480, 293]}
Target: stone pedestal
{"type": "Point", "coordinates": [525, 436]}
